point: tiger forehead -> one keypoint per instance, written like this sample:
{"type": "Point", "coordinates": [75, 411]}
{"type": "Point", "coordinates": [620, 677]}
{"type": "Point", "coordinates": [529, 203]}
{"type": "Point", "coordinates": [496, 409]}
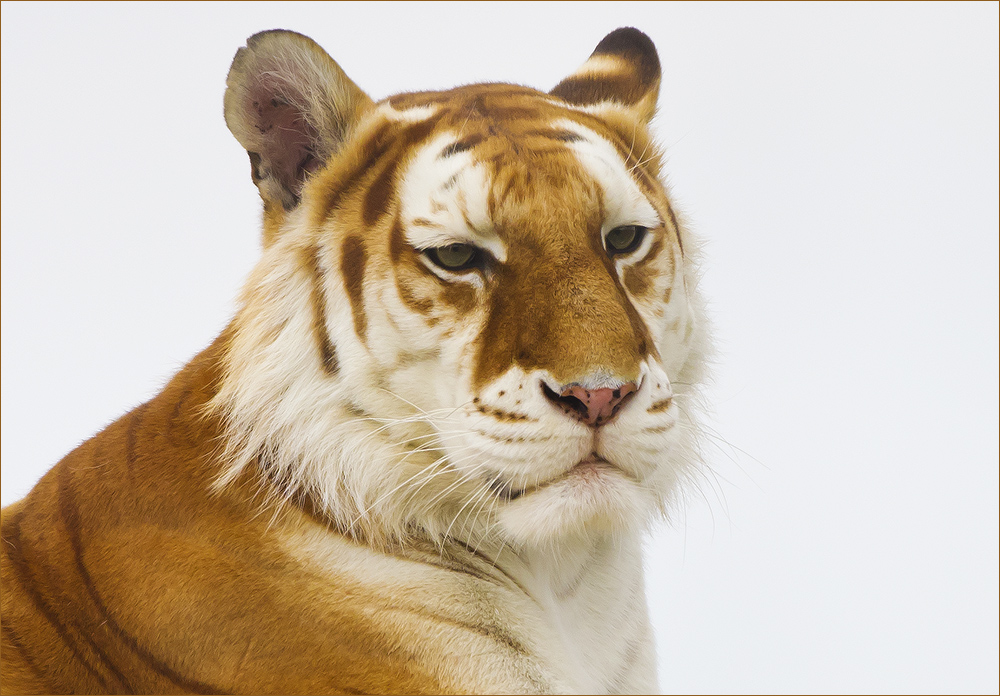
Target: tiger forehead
{"type": "Point", "coordinates": [521, 144]}
{"type": "Point", "coordinates": [498, 122]}
{"type": "Point", "coordinates": [505, 187]}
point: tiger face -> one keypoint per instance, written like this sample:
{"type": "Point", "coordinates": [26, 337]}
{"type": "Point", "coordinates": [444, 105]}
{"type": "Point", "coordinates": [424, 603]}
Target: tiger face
{"type": "Point", "coordinates": [476, 310]}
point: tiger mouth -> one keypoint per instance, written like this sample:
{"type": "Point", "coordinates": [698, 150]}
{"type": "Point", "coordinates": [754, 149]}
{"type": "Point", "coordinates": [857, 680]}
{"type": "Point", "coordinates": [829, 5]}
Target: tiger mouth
{"type": "Point", "coordinates": [507, 492]}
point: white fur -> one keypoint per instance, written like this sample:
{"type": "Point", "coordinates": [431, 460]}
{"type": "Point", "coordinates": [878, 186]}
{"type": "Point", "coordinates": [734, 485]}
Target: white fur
{"type": "Point", "coordinates": [601, 65]}
{"type": "Point", "coordinates": [414, 114]}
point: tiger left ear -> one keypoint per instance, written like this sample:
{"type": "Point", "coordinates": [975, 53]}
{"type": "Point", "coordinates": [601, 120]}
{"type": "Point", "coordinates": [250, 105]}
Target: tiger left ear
{"type": "Point", "coordinates": [292, 107]}
{"type": "Point", "coordinates": [623, 69]}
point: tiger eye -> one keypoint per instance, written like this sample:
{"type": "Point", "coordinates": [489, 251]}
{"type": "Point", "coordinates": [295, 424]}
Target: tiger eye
{"type": "Point", "coordinates": [624, 239]}
{"type": "Point", "coordinates": [454, 257]}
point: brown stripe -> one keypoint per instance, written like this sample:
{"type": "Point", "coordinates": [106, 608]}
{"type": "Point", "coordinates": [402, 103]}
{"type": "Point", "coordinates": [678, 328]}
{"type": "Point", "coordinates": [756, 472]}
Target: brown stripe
{"type": "Point", "coordinates": [490, 563]}
{"type": "Point", "coordinates": [352, 266]}
{"type": "Point", "coordinates": [14, 548]}
{"type": "Point", "coordinates": [135, 419]}
{"type": "Point", "coordinates": [627, 668]}
{"type": "Point", "coordinates": [421, 305]}
{"type": "Point", "coordinates": [499, 111]}
{"type": "Point", "coordinates": [327, 353]}
{"type": "Point", "coordinates": [492, 631]}
{"type": "Point", "coordinates": [573, 586]}
{"type": "Point", "coordinates": [557, 134]}
{"type": "Point", "coordinates": [175, 414]}
{"type": "Point", "coordinates": [593, 89]}
{"type": "Point", "coordinates": [677, 229]}
{"type": "Point", "coordinates": [397, 241]}
{"type": "Point", "coordinates": [466, 143]}
{"type": "Point", "coordinates": [659, 406]}
{"type": "Point", "coordinates": [499, 194]}
{"type": "Point", "coordinates": [459, 568]}
{"type": "Point", "coordinates": [638, 167]}
{"type": "Point", "coordinates": [379, 193]}
{"type": "Point", "coordinates": [15, 642]}
{"type": "Point", "coordinates": [71, 518]}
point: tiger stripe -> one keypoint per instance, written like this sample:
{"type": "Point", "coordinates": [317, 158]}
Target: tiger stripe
{"type": "Point", "coordinates": [14, 553]}
{"type": "Point", "coordinates": [328, 354]}
{"type": "Point", "coordinates": [71, 519]}
{"type": "Point", "coordinates": [353, 258]}
{"type": "Point", "coordinates": [12, 640]}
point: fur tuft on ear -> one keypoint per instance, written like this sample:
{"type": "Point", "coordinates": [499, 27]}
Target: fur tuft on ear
{"type": "Point", "coordinates": [623, 69]}
{"type": "Point", "coordinates": [291, 106]}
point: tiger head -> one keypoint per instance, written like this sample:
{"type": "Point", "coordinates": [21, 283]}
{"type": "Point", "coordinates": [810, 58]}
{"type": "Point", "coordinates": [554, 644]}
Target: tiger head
{"type": "Point", "coordinates": [476, 309]}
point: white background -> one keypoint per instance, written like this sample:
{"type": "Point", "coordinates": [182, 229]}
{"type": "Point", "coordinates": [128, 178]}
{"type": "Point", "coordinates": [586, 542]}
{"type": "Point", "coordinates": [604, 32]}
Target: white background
{"type": "Point", "coordinates": [841, 162]}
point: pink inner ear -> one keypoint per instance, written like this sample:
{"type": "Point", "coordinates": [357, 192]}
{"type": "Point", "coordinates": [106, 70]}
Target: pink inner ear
{"type": "Point", "coordinates": [287, 140]}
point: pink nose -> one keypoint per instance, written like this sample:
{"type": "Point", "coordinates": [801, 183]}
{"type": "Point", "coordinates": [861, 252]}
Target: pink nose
{"type": "Point", "coordinates": [595, 407]}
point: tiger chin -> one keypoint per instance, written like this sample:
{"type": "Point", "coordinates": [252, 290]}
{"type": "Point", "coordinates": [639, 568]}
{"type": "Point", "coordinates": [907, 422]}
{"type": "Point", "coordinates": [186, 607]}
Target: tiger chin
{"type": "Point", "coordinates": [421, 458]}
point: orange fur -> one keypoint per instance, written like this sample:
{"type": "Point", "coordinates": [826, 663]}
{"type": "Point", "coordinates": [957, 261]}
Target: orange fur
{"type": "Point", "coordinates": [119, 560]}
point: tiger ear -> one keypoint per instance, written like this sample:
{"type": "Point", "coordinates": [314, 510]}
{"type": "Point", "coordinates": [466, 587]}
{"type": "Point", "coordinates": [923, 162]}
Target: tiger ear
{"type": "Point", "coordinates": [291, 106]}
{"type": "Point", "coordinates": [624, 69]}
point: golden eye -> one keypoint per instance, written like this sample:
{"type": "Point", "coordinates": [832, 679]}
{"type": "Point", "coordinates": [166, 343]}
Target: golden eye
{"type": "Point", "coordinates": [456, 257]}
{"type": "Point", "coordinates": [624, 239]}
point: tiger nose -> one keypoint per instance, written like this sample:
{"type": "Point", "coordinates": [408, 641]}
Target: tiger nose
{"type": "Point", "coordinates": [595, 407]}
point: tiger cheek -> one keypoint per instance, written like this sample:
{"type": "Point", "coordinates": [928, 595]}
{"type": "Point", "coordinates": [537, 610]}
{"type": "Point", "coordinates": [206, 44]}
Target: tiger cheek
{"type": "Point", "coordinates": [415, 300]}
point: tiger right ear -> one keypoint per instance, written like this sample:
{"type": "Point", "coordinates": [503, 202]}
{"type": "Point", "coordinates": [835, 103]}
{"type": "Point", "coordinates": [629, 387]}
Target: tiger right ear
{"type": "Point", "coordinates": [291, 106]}
{"type": "Point", "coordinates": [624, 69]}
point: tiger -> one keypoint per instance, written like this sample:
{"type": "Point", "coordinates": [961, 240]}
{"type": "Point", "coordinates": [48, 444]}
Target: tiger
{"type": "Point", "coordinates": [459, 386]}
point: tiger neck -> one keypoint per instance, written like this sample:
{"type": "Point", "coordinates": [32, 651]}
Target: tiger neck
{"type": "Point", "coordinates": [590, 597]}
